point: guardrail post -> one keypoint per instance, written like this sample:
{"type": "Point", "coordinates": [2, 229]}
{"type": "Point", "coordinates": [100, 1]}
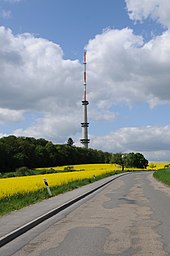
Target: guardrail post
{"type": "Point", "coordinates": [48, 189]}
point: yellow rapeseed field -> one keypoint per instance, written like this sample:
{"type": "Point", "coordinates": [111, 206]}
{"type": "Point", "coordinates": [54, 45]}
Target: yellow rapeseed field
{"type": "Point", "coordinates": [88, 167]}
{"type": "Point", "coordinates": [157, 165]}
{"type": "Point", "coordinates": [15, 185]}
{"type": "Point", "coordinates": [22, 185]}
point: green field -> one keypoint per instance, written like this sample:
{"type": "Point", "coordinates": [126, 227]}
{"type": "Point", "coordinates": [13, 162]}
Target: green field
{"type": "Point", "coordinates": [163, 175]}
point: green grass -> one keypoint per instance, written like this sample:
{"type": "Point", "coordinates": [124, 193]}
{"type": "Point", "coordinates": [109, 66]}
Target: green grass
{"type": "Point", "coordinates": [19, 201]}
{"type": "Point", "coordinates": [163, 175]}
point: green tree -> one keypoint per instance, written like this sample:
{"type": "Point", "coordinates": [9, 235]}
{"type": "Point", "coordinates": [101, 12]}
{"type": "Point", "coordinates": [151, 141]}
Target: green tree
{"type": "Point", "coordinates": [52, 154]}
{"type": "Point", "coordinates": [136, 160]}
{"type": "Point", "coordinates": [27, 148]}
{"type": "Point", "coordinates": [119, 159]}
{"type": "Point", "coordinates": [3, 157]}
{"type": "Point", "coordinates": [70, 142]}
{"type": "Point", "coordinates": [141, 161]}
{"type": "Point", "coordinates": [19, 159]}
{"type": "Point", "coordinates": [131, 160]}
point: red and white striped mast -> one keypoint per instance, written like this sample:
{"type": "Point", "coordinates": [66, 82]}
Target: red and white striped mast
{"type": "Point", "coordinates": [85, 123]}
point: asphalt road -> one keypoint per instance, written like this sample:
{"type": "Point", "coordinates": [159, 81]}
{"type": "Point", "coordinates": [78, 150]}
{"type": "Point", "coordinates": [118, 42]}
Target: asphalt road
{"type": "Point", "coordinates": [130, 216]}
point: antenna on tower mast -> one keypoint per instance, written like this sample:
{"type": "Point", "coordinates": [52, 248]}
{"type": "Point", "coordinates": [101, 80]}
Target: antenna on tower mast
{"type": "Point", "coordinates": [85, 123]}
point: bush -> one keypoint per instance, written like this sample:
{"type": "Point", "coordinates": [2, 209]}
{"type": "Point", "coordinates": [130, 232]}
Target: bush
{"type": "Point", "coordinates": [8, 175]}
{"type": "Point", "coordinates": [23, 171]}
{"type": "Point", "coordinates": [69, 168]}
{"type": "Point", "coordinates": [167, 166]}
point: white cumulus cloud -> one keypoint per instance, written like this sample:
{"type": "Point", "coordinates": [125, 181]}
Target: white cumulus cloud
{"type": "Point", "coordinates": [34, 75]}
{"type": "Point", "coordinates": [122, 69]}
{"type": "Point", "coordinates": [152, 141]}
{"type": "Point", "coordinates": [36, 78]}
{"type": "Point", "coordinates": [7, 115]}
{"type": "Point", "coordinates": [158, 10]}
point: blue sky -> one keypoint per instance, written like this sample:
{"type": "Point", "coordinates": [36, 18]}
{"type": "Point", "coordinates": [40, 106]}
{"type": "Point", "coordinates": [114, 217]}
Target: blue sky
{"type": "Point", "coordinates": [128, 59]}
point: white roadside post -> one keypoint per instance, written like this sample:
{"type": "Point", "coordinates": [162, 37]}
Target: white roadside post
{"type": "Point", "coordinates": [48, 189]}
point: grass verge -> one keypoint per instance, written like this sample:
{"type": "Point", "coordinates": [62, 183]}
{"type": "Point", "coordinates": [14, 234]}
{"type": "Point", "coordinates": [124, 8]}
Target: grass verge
{"type": "Point", "coordinates": [163, 175]}
{"type": "Point", "coordinates": [19, 201]}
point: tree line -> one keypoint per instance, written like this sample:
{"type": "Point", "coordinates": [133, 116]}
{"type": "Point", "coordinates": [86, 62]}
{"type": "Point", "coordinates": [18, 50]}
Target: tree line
{"type": "Point", "coordinates": [16, 152]}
